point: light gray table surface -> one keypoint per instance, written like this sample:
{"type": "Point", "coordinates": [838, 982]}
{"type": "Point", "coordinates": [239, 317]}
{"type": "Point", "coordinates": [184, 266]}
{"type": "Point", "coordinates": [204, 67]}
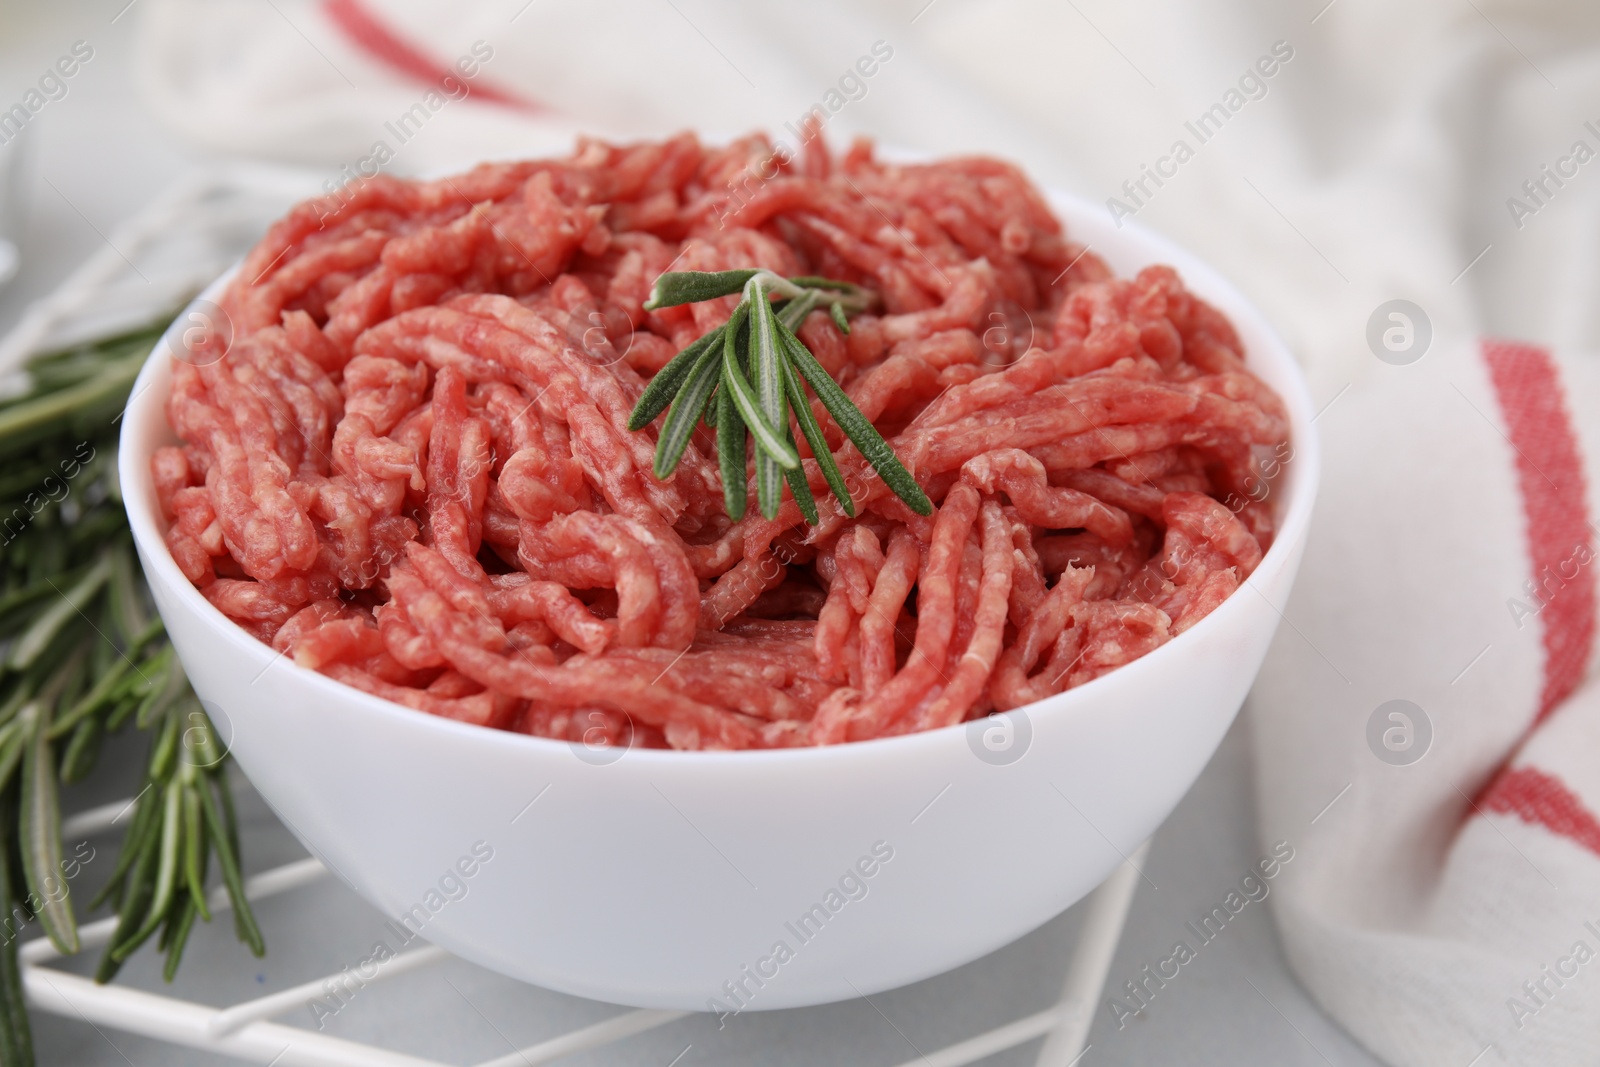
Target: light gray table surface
{"type": "Point", "coordinates": [94, 158]}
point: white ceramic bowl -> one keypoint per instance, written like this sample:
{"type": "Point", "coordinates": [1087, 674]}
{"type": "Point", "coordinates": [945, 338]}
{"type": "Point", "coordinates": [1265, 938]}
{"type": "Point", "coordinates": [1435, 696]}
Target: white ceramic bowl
{"type": "Point", "coordinates": [657, 878]}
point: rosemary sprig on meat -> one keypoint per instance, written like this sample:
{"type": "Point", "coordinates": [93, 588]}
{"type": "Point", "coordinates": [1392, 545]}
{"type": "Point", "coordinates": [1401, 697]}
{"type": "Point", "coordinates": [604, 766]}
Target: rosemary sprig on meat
{"type": "Point", "coordinates": [744, 379]}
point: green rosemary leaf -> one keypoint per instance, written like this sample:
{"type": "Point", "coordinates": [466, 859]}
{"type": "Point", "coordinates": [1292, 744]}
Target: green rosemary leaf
{"type": "Point", "coordinates": [32, 643]}
{"type": "Point", "coordinates": [708, 418]}
{"type": "Point", "coordinates": [768, 367]}
{"type": "Point", "coordinates": [686, 408]}
{"type": "Point", "coordinates": [659, 393]}
{"type": "Point", "coordinates": [244, 919]}
{"type": "Point", "coordinates": [41, 824]}
{"type": "Point", "coordinates": [128, 611]}
{"type": "Point", "coordinates": [764, 359]}
{"type": "Point", "coordinates": [838, 319]}
{"type": "Point", "coordinates": [769, 484]}
{"type": "Point", "coordinates": [795, 311]}
{"type": "Point", "coordinates": [87, 404]}
{"type": "Point", "coordinates": [693, 286]}
{"type": "Point", "coordinates": [180, 937]}
{"type": "Point", "coordinates": [856, 426]}
{"type": "Point", "coordinates": [731, 438]}
{"type": "Point", "coordinates": [744, 399]}
{"type": "Point", "coordinates": [734, 341]}
{"type": "Point", "coordinates": [812, 281]}
{"type": "Point", "coordinates": [802, 493]}
{"type": "Point", "coordinates": [14, 739]}
{"type": "Point", "coordinates": [194, 842]}
{"type": "Point", "coordinates": [16, 1041]}
{"type": "Point", "coordinates": [173, 682]}
{"type": "Point", "coordinates": [166, 873]}
{"type": "Point", "coordinates": [218, 777]}
{"type": "Point", "coordinates": [766, 363]}
{"type": "Point", "coordinates": [82, 750]}
{"type": "Point", "coordinates": [91, 701]}
{"type": "Point", "coordinates": [131, 910]}
{"type": "Point", "coordinates": [814, 437]}
{"type": "Point", "coordinates": [144, 825]}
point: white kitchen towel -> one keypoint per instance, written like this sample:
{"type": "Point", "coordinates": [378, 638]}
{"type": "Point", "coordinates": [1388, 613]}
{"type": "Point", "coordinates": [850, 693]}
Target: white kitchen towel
{"type": "Point", "coordinates": [1423, 730]}
{"type": "Point", "coordinates": [1425, 734]}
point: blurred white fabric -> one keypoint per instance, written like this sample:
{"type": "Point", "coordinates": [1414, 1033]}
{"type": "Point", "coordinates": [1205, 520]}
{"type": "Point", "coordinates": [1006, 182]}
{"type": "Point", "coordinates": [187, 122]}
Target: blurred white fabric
{"type": "Point", "coordinates": [1426, 151]}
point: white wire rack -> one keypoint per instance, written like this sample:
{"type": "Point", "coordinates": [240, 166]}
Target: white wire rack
{"type": "Point", "coordinates": [150, 265]}
{"type": "Point", "coordinates": [246, 1029]}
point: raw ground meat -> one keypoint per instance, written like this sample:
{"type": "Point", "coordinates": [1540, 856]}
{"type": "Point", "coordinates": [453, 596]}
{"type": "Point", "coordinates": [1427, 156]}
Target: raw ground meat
{"type": "Point", "coordinates": [412, 471]}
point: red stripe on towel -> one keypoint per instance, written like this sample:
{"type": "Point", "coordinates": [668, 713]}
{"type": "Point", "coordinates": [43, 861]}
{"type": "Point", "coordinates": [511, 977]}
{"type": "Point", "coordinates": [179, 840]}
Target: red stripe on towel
{"type": "Point", "coordinates": [1554, 507]}
{"type": "Point", "coordinates": [367, 32]}
{"type": "Point", "coordinates": [1541, 799]}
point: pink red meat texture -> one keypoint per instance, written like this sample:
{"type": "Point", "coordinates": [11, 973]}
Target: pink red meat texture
{"type": "Point", "coordinates": [411, 470]}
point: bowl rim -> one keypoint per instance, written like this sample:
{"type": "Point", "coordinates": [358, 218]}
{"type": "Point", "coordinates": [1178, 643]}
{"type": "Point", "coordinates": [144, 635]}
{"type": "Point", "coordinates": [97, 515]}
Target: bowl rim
{"type": "Point", "coordinates": [1076, 213]}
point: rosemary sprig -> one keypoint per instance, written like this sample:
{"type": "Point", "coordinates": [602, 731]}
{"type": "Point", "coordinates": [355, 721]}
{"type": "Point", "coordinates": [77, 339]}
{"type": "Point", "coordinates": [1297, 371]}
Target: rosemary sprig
{"type": "Point", "coordinates": [83, 655]}
{"type": "Point", "coordinates": [744, 379]}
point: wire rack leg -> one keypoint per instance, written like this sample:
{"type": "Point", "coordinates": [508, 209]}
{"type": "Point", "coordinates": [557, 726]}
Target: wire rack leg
{"type": "Point", "coordinates": [1091, 962]}
{"type": "Point", "coordinates": [183, 1023]}
{"type": "Point", "coordinates": [1064, 1026]}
